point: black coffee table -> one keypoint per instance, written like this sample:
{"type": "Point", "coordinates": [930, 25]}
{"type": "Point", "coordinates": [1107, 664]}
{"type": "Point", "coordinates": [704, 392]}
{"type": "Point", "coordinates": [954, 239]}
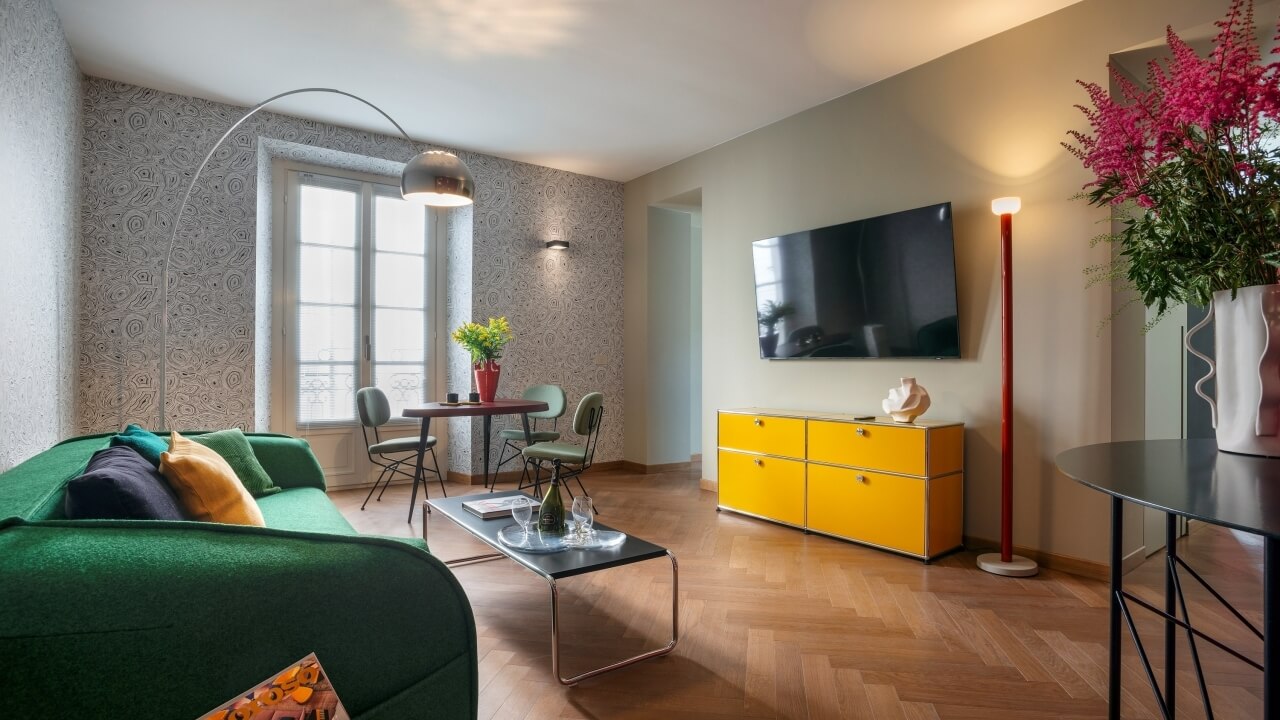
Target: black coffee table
{"type": "Point", "coordinates": [557, 566]}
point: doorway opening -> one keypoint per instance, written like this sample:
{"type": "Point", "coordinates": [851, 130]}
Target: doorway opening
{"type": "Point", "coordinates": [675, 419]}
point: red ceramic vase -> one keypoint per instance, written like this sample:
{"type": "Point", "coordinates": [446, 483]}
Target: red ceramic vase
{"type": "Point", "coordinates": [487, 373]}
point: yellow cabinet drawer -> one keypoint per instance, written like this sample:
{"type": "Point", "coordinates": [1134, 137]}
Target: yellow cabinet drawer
{"type": "Point", "coordinates": [762, 434]}
{"type": "Point", "coordinates": [879, 447]}
{"type": "Point", "coordinates": [884, 510]}
{"type": "Point", "coordinates": [764, 486]}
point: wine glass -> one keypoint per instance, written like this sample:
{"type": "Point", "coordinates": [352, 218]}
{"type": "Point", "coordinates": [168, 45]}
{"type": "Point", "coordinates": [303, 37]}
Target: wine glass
{"type": "Point", "coordinates": [583, 515]}
{"type": "Point", "coordinates": [522, 513]}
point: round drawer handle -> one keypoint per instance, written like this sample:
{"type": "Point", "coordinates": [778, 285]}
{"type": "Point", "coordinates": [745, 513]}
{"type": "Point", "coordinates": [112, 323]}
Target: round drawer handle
{"type": "Point", "coordinates": [758, 422]}
{"type": "Point", "coordinates": [759, 462]}
{"type": "Point", "coordinates": [862, 478]}
{"type": "Point", "coordinates": [861, 431]}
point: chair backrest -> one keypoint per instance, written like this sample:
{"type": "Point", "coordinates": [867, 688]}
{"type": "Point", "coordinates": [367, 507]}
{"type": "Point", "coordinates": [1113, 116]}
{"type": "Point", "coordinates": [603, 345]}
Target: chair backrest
{"type": "Point", "coordinates": [552, 395]}
{"type": "Point", "coordinates": [373, 407]}
{"type": "Point", "coordinates": [587, 417]}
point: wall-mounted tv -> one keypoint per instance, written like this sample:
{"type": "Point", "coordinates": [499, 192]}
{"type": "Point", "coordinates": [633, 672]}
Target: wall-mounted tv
{"type": "Point", "coordinates": [880, 287]}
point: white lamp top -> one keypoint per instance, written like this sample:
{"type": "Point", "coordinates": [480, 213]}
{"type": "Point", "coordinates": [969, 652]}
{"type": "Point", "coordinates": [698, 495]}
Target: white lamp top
{"type": "Point", "coordinates": [1006, 205]}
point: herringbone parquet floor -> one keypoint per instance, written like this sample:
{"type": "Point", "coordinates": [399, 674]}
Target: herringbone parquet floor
{"type": "Point", "coordinates": [777, 624]}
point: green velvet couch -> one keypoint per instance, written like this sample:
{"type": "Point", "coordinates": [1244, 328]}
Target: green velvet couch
{"type": "Point", "coordinates": [168, 619]}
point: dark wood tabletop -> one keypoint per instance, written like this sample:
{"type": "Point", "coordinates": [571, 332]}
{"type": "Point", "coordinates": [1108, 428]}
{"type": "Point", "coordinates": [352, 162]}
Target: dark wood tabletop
{"type": "Point", "coordinates": [499, 406]}
{"type": "Point", "coordinates": [1185, 477]}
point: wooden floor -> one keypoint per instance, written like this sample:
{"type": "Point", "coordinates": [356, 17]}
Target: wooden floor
{"type": "Point", "coordinates": [777, 624]}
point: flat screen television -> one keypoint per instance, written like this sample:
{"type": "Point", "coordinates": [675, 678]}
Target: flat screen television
{"type": "Point", "coordinates": [875, 288]}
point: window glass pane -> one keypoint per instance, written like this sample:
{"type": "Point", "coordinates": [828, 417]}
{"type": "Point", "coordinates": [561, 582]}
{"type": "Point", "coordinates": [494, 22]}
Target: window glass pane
{"type": "Point", "coordinates": [399, 225]}
{"type": "Point", "coordinates": [405, 385]}
{"type": "Point", "coordinates": [327, 216]}
{"type": "Point", "coordinates": [326, 333]}
{"type": "Point", "coordinates": [326, 275]}
{"type": "Point", "coordinates": [399, 280]}
{"type": "Point", "coordinates": [397, 335]}
{"type": "Point", "coordinates": [326, 392]}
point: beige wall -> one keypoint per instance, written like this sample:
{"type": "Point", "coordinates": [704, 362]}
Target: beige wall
{"type": "Point", "coordinates": [979, 123]}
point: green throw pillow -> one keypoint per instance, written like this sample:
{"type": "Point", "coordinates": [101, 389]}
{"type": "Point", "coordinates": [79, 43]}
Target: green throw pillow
{"type": "Point", "coordinates": [147, 444]}
{"type": "Point", "coordinates": [234, 447]}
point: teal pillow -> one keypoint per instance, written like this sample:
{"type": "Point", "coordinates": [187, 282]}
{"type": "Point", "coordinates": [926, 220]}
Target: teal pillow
{"type": "Point", "coordinates": [234, 447]}
{"type": "Point", "coordinates": [147, 444]}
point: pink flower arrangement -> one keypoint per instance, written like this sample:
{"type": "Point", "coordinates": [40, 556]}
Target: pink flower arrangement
{"type": "Point", "coordinates": [1192, 160]}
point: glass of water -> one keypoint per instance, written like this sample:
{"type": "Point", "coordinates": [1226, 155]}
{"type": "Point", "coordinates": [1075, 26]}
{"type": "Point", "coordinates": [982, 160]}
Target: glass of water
{"type": "Point", "coordinates": [522, 513]}
{"type": "Point", "coordinates": [583, 516]}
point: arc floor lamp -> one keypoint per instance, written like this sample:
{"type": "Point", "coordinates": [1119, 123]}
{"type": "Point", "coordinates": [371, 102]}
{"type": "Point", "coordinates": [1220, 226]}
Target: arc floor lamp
{"type": "Point", "coordinates": [435, 177]}
{"type": "Point", "coordinates": [1005, 562]}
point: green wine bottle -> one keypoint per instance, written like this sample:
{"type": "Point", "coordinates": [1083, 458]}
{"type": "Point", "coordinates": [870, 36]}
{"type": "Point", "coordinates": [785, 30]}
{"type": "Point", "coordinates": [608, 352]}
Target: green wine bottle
{"type": "Point", "coordinates": [551, 515]}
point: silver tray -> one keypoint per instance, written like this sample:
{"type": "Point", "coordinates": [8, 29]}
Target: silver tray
{"type": "Point", "coordinates": [537, 543]}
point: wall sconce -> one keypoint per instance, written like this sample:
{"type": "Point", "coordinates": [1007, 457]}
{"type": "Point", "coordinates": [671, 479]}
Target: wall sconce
{"type": "Point", "coordinates": [557, 244]}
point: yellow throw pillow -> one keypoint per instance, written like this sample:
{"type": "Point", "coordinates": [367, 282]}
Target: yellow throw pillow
{"type": "Point", "coordinates": [206, 485]}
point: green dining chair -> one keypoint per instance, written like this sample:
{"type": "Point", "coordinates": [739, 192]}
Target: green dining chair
{"type": "Point", "coordinates": [513, 438]}
{"type": "Point", "coordinates": [569, 460]}
{"type": "Point", "coordinates": [395, 453]}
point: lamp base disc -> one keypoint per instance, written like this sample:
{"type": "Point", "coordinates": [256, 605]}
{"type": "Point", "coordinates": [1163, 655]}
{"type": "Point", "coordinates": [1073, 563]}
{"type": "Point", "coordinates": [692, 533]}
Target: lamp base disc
{"type": "Point", "coordinates": [1017, 567]}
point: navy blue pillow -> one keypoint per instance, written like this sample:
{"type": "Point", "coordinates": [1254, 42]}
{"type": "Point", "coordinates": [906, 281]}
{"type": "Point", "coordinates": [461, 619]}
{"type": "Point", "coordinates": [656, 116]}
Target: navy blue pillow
{"type": "Point", "coordinates": [120, 484]}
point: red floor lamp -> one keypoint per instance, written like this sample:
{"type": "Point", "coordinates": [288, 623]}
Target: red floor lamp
{"type": "Point", "coordinates": [1005, 562]}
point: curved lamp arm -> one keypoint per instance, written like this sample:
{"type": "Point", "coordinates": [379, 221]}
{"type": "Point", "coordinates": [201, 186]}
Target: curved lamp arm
{"type": "Point", "coordinates": [168, 257]}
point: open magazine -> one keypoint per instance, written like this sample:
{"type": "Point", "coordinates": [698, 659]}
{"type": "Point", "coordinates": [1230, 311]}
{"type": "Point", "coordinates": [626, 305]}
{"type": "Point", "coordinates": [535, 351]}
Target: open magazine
{"type": "Point", "coordinates": [495, 507]}
{"type": "Point", "coordinates": [301, 691]}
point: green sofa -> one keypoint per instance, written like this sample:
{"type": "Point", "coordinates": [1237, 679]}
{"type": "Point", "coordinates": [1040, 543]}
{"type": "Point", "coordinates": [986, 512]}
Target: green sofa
{"type": "Point", "coordinates": [169, 619]}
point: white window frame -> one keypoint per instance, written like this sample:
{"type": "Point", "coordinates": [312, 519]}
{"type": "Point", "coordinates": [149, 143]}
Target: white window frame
{"type": "Point", "coordinates": [285, 181]}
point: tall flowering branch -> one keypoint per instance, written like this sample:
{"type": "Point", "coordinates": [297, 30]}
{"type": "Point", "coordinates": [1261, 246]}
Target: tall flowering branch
{"type": "Point", "coordinates": [1192, 164]}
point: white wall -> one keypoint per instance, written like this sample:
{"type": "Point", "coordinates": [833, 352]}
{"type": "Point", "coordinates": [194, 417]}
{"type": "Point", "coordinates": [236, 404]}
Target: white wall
{"type": "Point", "coordinates": [980, 123]}
{"type": "Point", "coordinates": [695, 332]}
{"type": "Point", "coordinates": [668, 351]}
{"type": "Point", "coordinates": [39, 146]}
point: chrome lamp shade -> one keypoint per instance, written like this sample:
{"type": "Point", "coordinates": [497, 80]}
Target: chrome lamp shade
{"type": "Point", "coordinates": [437, 178]}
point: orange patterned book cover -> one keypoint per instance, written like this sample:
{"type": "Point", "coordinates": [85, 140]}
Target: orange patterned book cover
{"type": "Point", "coordinates": [301, 691]}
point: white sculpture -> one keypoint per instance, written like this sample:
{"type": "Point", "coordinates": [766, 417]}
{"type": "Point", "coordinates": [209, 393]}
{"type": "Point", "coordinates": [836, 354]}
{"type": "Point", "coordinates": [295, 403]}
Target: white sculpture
{"type": "Point", "coordinates": [1245, 369]}
{"type": "Point", "coordinates": [907, 401]}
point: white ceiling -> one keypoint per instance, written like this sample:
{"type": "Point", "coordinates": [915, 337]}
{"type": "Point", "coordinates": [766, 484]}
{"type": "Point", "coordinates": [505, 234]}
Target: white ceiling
{"type": "Point", "coordinates": [612, 88]}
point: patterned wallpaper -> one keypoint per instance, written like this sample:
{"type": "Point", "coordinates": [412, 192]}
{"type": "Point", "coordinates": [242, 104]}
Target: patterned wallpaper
{"type": "Point", "coordinates": [39, 137]}
{"type": "Point", "coordinates": [565, 307]}
{"type": "Point", "coordinates": [140, 147]}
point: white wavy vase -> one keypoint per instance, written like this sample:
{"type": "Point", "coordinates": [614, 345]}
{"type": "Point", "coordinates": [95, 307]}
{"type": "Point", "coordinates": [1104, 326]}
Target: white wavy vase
{"type": "Point", "coordinates": [906, 402]}
{"type": "Point", "coordinates": [1246, 363]}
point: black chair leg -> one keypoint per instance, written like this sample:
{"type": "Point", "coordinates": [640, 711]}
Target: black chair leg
{"type": "Point", "coordinates": [438, 475]}
{"type": "Point", "coordinates": [375, 487]}
{"type": "Point", "coordinates": [391, 471]}
{"type": "Point", "coordinates": [565, 485]}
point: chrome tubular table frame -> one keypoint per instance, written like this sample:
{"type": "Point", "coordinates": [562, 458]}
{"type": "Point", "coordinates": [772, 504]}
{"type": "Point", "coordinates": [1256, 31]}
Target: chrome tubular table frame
{"type": "Point", "coordinates": [503, 552]}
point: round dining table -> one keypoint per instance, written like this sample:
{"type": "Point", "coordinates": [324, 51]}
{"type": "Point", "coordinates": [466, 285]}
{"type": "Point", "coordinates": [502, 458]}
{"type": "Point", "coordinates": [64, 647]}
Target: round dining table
{"type": "Point", "coordinates": [486, 410]}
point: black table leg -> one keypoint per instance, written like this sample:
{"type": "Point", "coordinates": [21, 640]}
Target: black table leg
{"type": "Point", "coordinates": [1113, 643]}
{"type": "Point", "coordinates": [418, 476]}
{"type": "Point", "coordinates": [1170, 607]}
{"type": "Point", "coordinates": [1271, 629]}
{"type": "Point", "coordinates": [488, 423]}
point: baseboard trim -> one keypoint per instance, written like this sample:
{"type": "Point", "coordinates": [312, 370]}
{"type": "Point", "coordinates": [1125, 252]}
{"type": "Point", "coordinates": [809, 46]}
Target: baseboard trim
{"type": "Point", "coordinates": [642, 469]}
{"type": "Point", "coordinates": [709, 484]}
{"type": "Point", "coordinates": [1053, 561]}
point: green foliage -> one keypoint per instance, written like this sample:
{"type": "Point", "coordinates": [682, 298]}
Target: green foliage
{"type": "Point", "coordinates": [1209, 227]}
{"type": "Point", "coordinates": [484, 342]}
{"type": "Point", "coordinates": [771, 313]}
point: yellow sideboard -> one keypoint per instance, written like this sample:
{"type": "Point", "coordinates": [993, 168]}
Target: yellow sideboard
{"type": "Point", "coordinates": [894, 486]}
